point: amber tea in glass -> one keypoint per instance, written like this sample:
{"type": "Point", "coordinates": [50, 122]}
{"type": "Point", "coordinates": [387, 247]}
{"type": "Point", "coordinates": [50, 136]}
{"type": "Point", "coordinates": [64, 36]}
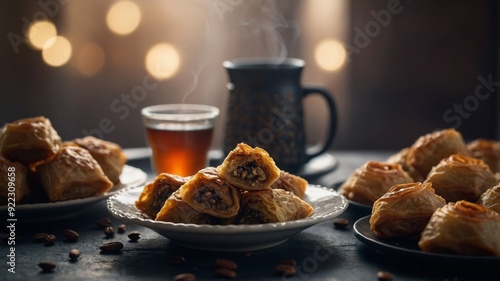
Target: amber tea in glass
{"type": "Point", "coordinates": [180, 136]}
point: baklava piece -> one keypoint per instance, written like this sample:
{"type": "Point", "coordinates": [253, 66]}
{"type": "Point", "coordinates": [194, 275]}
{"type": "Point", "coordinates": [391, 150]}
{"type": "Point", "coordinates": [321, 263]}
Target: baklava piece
{"type": "Point", "coordinates": [175, 210]}
{"type": "Point", "coordinates": [249, 168]}
{"type": "Point", "coordinates": [109, 155]}
{"type": "Point", "coordinates": [29, 140]}
{"type": "Point", "coordinates": [491, 198]}
{"type": "Point", "coordinates": [400, 158]}
{"type": "Point", "coordinates": [154, 194]}
{"type": "Point", "coordinates": [459, 177]}
{"type": "Point", "coordinates": [429, 149]}
{"type": "Point", "coordinates": [72, 173]}
{"type": "Point", "coordinates": [13, 181]}
{"type": "Point", "coordinates": [488, 151]}
{"type": "Point", "coordinates": [208, 193]}
{"type": "Point", "coordinates": [404, 210]}
{"type": "Point", "coordinates": [271, 206]}
{"type": "Point", "coordinates": [372, 180]}
{"type": "Point", "coordinates": [292, 183]}
{"type": "Point", "coordinates": [462, 228]}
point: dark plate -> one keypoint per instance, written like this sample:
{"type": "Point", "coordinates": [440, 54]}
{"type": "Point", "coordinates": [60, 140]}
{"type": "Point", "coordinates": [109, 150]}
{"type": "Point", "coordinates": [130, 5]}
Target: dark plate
{"type": "Point", "coordinates": [406, 246]}
{"type": "Point", "coordinates": [355, 205]}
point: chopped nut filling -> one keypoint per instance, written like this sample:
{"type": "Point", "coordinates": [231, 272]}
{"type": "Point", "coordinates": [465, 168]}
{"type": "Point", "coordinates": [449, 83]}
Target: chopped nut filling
{"type": "Point", "coordinates": [161, 197]}
{"type": "Point", "coordinates": [250, 216]}
{"type": "Point", "coordinates": [251, 172]}
{"type": "Point", "coordinates": [208, 198]}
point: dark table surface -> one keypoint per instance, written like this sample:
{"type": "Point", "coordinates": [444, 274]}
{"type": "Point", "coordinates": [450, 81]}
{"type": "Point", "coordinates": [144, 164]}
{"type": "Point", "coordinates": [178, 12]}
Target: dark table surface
{"type": "Point", "coordinates": [322, 252]}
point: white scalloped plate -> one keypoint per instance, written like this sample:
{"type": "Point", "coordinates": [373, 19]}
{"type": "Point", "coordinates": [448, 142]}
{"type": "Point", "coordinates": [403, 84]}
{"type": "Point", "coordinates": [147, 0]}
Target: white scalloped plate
{"type": "Point", "coordinates": [130, 177]}
{"type": "Point", "coordinates": [327, 204]}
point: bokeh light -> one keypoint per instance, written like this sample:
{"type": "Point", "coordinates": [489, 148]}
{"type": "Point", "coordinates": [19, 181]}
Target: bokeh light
{"type": "Point", "coordinates": [123, 17]}
{"type": "Point", "coordinates": [90, 59]}
{"type": "Point", "coordinates": [330, 54]}
{"type": "Point", "coordinates": [162, 61]}
{"type": "Point", "coordinates": [39, 32]}
{"type": "Point", "coordinates": [56, 51]}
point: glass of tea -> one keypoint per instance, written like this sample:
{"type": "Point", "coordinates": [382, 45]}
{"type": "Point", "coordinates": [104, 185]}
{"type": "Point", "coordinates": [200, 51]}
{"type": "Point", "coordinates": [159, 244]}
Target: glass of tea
{"type": "Point", "coordinates": [180, 136]}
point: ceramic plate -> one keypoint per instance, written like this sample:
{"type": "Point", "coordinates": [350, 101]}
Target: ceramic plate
{"type": "Point", "coordinates": [129, 177]}
{"type": "Point", "coordinates": [405, 246]}
{"type": "Point", "coordinates": [327, 204]}
{"type": "Point", "coordinates": [356, 205]}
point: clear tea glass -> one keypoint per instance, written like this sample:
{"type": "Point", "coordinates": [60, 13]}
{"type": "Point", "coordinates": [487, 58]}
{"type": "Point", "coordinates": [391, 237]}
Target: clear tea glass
{"type": "Point", "coordinates": [180, 136]}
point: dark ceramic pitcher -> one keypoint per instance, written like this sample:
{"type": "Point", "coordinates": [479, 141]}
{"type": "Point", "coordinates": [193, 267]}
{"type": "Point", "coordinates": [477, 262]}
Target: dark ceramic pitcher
{"type": "Point", "coordinates": [265, 109]}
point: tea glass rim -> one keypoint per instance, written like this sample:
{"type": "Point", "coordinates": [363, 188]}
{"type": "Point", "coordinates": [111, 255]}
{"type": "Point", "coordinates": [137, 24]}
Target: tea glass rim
{"type": "Point", "coordinates": [195, 112]}
{"type": "Point", "coordinates": [253, 62]}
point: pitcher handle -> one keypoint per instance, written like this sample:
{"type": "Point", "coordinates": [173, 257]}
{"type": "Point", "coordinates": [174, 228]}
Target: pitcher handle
{"type": "Point", "coordinates": [333, 118]}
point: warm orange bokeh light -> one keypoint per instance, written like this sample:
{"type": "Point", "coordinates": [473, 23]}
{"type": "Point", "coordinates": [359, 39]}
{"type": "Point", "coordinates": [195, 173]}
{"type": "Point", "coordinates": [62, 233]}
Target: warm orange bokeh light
{"type": "Point", "coordinates": [39, 32]}
{"type": "Point", "coordinates": [123, 17]}
{"type": "Point", "coordinates": [162, 61]}
{"type": "Point", "coordinates": [56, 51]}
{"type": "Point", "coordinates": [330, 54]}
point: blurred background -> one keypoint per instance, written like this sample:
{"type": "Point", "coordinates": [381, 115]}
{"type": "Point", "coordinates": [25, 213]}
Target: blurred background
{"type": "Point", "coordinates": [397, 69]}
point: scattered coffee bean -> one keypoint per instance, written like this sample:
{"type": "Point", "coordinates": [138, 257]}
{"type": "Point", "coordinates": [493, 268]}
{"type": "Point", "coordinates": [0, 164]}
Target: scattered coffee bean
{"type": "Point", "coordinates": [111, 247]}
{"type": "Point", "coordinates": [50, 239]}
{"type": "Point", "coordinates": [74, 254]}
{"type": "Point", "coordinates": [40, 237]}
{"type": "Point", "coordinates": [340, 223]}
{"type": "Point", "coordinates": [225, 272]}
{"type": "Point", "coordinates": [71, 235]}
{"type": "Point", "coordinates": [47, 266]}
{"type": "Point", "coordinates": [134, 236]}
{"type": "Point", "coordinates": [285, 270]}
{"type": "Point", "coordinates": [184, 277]}
{"type": "Point", "coordinates": [109, 231]}
{"type": "Point", "coordinates": [226, 263]}
{"type": "Point", "coordinates": [385, 276]}
{"type": "Point", "coordinates": [122, 228]}
{"type": "Point", "coordinates": [290, 262]}
{"type": "Point", "coordinates": [103, 222]}
{"type": "Point", "coordinates": [178, 260]}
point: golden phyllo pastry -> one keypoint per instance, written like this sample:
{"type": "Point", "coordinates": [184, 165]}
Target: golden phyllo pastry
{"type": "Point", "coordinates": [29, 140]}
{"type": "Point", "coordinates": [488, 151]}
{"type": "Point", "coordinates": [462, 228]}
{"type": "Point", "coordinates": [491, 198]}
{"type": "Point", "coordinates": [109, 155]}
{"type": "Point", "coordinates": [460, 177]}
{"type": "Point", "coordinates": [292, 183]}
{"type": "Point", "coordinates": [429, 149]}
{"type": "Point", "coordinates": [271, 206]}
{"type": "Point", "coordinates": [175, 210]}
{"type": "Point", "coordinates": [372, 180]}
{"type": "Point", "coordinates": [249, 168]}
{"type": "Point", "coordinates": [154, 194]}
{"type": "Point", "coordinates": [72, 173]}
{"type": "Point", "coordinates": [400, 158]}
{"type": "Point", "coordinates": [404, 210]}
{"type": "Point", "coordinates": [208, 193]}
{"type": "Point", "coordinates": [13, 181]}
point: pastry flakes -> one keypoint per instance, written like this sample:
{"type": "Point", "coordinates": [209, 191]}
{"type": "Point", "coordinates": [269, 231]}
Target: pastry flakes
{"type": "Point", "coordinates": [175, 210]}
{"type": "Point", "coordinates": [491, 198]}
{"type": "Point", "coordinates": [292, 183]}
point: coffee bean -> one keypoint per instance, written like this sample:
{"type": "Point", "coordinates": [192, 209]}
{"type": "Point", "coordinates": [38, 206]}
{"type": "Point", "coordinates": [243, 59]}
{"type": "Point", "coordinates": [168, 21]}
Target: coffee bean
{"type": "Point", "coordinates": [40, 237]}
{"type": "Point", "coordinates": [290, 262]}
{"type": "Point", "coordinates": [285, 270]}
{"type": "Point", "coordinates": [50, 239]}
{"type": "Point", "coordinates": [71, 235]}
{"type": "Point", "coordinates": [122, 228]}
{"type": "Point", "coordinates": [385, 276]}
{"type": "Point", "coordinates": [134, 236]}
{"type": "Point", "coordinates": [225, 272]}
{"type": "Point", "coordinates": [74, 254]}
{"type": "Point", "coordinates": [340, 223]}
{"type": "Point", "coordinates": [184, 277]}
{"type": "Point", "coordinates": [47, 266]}
{"type": "Point", "coordinates": [103, 222]}
{"type": "Point", "coordinates": [111, 247]}
{"type": "Point", "coordinates": [178, 260]}
{"type": "Point", "coordinates": [226, 263]}
{"type": "Point", "coordinates": [109, 231]}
